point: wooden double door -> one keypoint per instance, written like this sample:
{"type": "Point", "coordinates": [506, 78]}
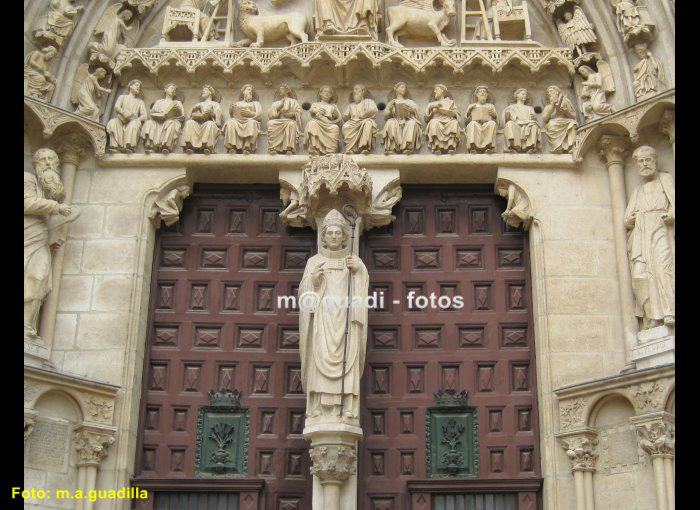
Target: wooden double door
{"type": "Point", "coordinates": [215, 323]}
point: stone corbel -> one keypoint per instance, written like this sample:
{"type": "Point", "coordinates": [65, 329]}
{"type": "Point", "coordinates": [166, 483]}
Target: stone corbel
{"type": "Point", "coordinates": [518, 210]}
{"type": "Point", "coordinates": [656, 435]}
{"type": "Point", "coordinates": [581, 447]}
{"type": "Point", "coordinates": [29, 421]}
{"type": "Point", "coordinates": [169, 205]}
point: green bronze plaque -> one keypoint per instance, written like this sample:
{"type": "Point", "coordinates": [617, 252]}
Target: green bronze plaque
{"type": "Point", "coordinates": [452, 437]}
{"type": "Point", "coordinates": [222, 437]}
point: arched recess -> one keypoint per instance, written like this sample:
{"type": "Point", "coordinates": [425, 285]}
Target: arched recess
{"type": "Point", "coordinates": [622, 478]}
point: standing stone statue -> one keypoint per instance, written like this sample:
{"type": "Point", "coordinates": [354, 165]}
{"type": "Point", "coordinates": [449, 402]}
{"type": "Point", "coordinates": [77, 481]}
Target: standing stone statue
{"type": "Point", "coordinates": [87, 91]}
{"type": "Point", "coordinates": [360, 125]}
{"type": "Point", "coordinates": [346, 18]}
{"type": "Point", "coordinates": [111, 30]}
{"type": "Point", "coordinates": [576, 31]}
{"type": "Point", "coordinates": [59, 22]}
{"type": "Point", "coordinates": [323, 329]}
{"type": "Point", "coordinates": [559, 116]}
{"type": "Point", "coordinates": [125, 128]}
{"type": "Point", "coordinates": [284, 124]}
{"type": "Point", "coordinates": [43, 195]}
{"type": "Point", "coordinates": [242, 130]}
{"type": "Point", "coordinates": [648, 73]}
{"type": "Point", "coordinates": [482, 122]}
{"type": "Point", "coordinates": [443, 121]}
{"type": "Point", "coordinates": [322, 131]}
{"type": "Point", "coordinates": [594, 101]}
{"type": "Point", "coordinates": [38, 81]}
{"type": "Point", "coordinates": [650, 218]}
{"type": "Point", "coordinates": [521, 130]}
{"type": "Point", "coordinates": [161, 131]}
{"type": "Point", "coordinates": [204, 126]}
{"type": "Point", "coordinates": [402, 127]}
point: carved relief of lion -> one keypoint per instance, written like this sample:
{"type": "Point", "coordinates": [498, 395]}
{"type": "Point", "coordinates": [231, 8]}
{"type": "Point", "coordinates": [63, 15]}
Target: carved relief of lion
{"type": "Point", "coordinates": [269, 27]}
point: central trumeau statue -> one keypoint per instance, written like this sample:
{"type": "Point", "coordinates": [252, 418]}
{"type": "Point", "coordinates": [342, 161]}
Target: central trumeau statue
{"type": "Point", "coordinates": [328, 380]}
{"type": "Point", "coordinates": [346, 18]}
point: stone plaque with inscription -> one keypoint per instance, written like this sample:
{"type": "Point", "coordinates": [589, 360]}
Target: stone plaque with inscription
{"type": "Point", "coordinates": [47, 447]}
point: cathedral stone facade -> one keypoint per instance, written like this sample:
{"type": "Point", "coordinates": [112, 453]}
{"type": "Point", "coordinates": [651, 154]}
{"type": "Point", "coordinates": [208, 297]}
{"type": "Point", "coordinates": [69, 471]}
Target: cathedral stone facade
{"type": "Point", "coordinates": [349, 254]}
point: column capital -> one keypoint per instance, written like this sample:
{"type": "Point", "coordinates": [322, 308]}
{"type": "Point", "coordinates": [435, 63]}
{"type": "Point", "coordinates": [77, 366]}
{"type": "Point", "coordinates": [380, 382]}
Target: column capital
{"type": "Point", "coordinates": [668, 125]}
{"type": "Point", "coordinates": [581, 447]}
{"type": "Point", "coordinates": [333, 463]}
{"type": "Point", "coordinates": [92, 443]}
{"type": "Point", "coordinates": [71, 149]}
{"type": "Point", "coordinates": [614, 149]}
{"type": "Point", "coordinates": [656, 434]}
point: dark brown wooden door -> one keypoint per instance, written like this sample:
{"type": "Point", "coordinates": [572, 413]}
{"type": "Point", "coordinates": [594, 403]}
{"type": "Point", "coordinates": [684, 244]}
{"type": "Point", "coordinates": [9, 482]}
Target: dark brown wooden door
{"type": "Point", "coordinates": [450, 242]}
{"type": "Point", "coordinates": [215, 324]}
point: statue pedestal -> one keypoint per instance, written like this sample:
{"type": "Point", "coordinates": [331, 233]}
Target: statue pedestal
{"type": "Point", "coordinates": [36, 354]}
{"type": "Point", "coordinates": [334, 462]}
{"type": "Point", "coordinates": [657, 346]}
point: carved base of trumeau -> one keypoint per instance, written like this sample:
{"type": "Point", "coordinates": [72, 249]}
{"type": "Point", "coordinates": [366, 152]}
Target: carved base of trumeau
{"type": "Point", "coordinates": [52, 118]}
{"type": "Point", "coordinates": [36, 354]}
{"type": "Point", "coordinates": [657, 346]}
{"type": "Point", "coordinates": [333, 452]}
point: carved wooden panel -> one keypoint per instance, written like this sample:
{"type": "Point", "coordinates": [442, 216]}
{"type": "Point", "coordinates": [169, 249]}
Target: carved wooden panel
{"type": "Point", "coordinates": [450, 242]}
{"type": "Point", "coordinates": [215, 324]}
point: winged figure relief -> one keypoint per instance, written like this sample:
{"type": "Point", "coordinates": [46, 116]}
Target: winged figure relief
{"type": "Point", "coordinates": [576, 31]}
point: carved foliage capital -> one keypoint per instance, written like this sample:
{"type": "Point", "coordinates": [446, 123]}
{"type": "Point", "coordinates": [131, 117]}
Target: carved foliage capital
{"type": "Point", "coordinates": [332, 463]}
{"type": "Point", "coordinates": [582, 451]}
{"type": "Point", "coordinates": [92, 445]}
{"type": "Point", "coordinates": [657, 438]}
{"type": "Point", "coordinates": [71, 149]}
{"type": "Point", "coordinates": [614, 149]}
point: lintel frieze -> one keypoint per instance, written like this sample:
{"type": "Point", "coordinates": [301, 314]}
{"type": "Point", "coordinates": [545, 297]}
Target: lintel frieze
{"type": "Point", "coordinates": [497, 58]}
{"type": "Point", "coordinates": [630, 119]}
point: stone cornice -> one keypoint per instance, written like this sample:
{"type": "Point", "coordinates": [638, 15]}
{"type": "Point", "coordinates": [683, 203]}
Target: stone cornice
{"type": "Point", "coordinates": [630, 119]}
{"type": "Point", "coordinates": [493, 56]}
{"type": "Point", "coordinates": [52, 117]}
{"type": "Point", "coordinates": [614, 382]}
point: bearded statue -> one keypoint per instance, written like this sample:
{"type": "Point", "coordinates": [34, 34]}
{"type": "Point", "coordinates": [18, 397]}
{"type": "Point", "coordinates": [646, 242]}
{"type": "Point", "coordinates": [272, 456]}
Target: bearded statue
{"type": "Point", "coordinates": [43, 212]}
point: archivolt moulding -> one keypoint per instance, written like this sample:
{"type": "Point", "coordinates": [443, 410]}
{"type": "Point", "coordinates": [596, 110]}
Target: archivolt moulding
{"type": "Point", "coordinates": [52, 118]}
{"type": "Point", "coordinates": [628, 121]}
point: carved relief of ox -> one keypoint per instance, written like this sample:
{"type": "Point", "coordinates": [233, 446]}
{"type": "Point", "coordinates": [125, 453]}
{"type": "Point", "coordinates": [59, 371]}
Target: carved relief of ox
{"type": "Point", "coordinates": [419, 18]}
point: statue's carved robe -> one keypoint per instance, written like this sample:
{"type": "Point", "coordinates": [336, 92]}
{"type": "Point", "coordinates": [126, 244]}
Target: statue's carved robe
{"type": "Point", "coordinates": [241, 133]}
{"type": "Point", "coordinates": [595, 102]}
{"type": "Point", "coordinates": [651, 247]}
{"type": "Point", "coordinates": [360, 127]}
{"type": "Point", "coordinates": [127, 135]}
{"type": "Point", "coordinates": [402, 132]}
{"type": "Point", "coordinates": [323, 334]}
{"type": "Point", "coordinates": [282, 131]}
{"type": "Point", "coordinates": [163, 129]}
{"type": "Point", "coordinates": [204, 134]}
{"type": "Point", "coordinates": [87, 98]}
{"type": "Point", "coordinates": [443, 128]}
{"type": "Point", "coordinates": [561, 127]}
{"type": "Point", "coordinates": [481, 133]}
{"type": "Point", "coordinates": [35, 82]}
{"type": "Point", "coordinates": [346, 17]}
{"type": "Point", "coordinates": [37, 257]}
{"type": "Point", "coordinates": [647, 74]}
{"type": "Point", "coordinates": [322, 135]}
{"type": "Point", "coordinates": [521, 130]}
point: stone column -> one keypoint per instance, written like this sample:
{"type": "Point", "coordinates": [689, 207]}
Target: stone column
{"type": "Point", "coordinates": [656, 435]}
{"type": "Point", "coordinates": [91, 444]}
{"type": "Point", "coordinates": [334, 464]}
{"type": "Point", "coordinates": [613, 150]}
{"type": "Point", "coordinates": [668, 127]}
{"type": "Point", "coordinates": [70, 150]}
{"type": "Point", "coordinates": [581, 448]}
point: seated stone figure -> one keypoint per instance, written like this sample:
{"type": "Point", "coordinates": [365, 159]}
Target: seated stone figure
{"type": "Point", "coordinates": [38, 81]}
{"type": "Point", "coordinates": [125, 128]}
{"type": "Point", "coordinates": [360, 126]}
{"type": "Point", "coordinates": [521, 130]}
{"type": "Point", "coordinates": [284, 124]}
{"type": "Point", "coordinates": [443, 122]}
{"type": "Point", "coordinates": [242, 130]}
{"type": "Point", "coordinates": [204, 126]}
{"type": "Point", "coordinates": [402, 128]}
{"type": "Point", "coordinates": [481, 122]}
{"type": "Point", "coordinates": [161, 131]}
{"type": "Point", "coordinates": [322, 131]}
{"type": "Point", "coordinates": [559, 116]}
